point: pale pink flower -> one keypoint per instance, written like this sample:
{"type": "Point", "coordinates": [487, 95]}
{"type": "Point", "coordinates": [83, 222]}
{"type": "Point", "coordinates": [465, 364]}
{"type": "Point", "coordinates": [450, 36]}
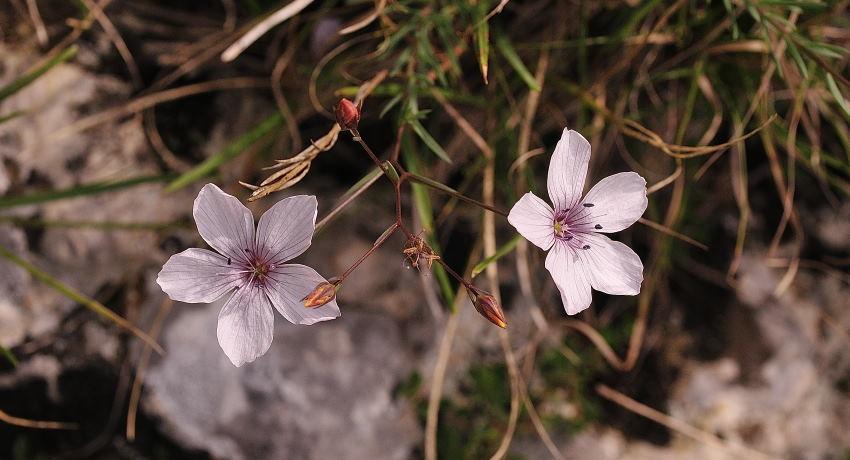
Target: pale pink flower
{"type": "Point", "coordinates": [250, 266]}
{"type": "Point", "coordinates": [580, 258]}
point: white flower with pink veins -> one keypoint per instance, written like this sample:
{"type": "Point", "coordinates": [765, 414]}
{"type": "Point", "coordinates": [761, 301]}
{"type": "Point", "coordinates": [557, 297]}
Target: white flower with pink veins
{"type": "Point", "coordinates": [580, 257]}
{"type": "Point", "coordinates": [250, 265]}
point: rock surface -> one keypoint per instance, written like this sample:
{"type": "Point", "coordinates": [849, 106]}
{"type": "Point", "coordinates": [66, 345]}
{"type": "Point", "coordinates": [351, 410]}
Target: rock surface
{"type": "Point", "coordinates": [324, 391]}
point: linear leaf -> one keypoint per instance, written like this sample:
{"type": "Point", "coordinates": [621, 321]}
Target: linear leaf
{"type": "Point", "coordinates": [30, 77]}
{"type": "Point", "coordinates": [79, 190]}
{"type": "Point", "coordinates": [501, 252]}
{"type": "Point", "coordinates": [429, 140]}
{"type": "Point", "coordinates": [514, 60]}
{"type": "Point", "coordinates": [211, 164]}
{"type": "Point", "coordinates": [80, 298]}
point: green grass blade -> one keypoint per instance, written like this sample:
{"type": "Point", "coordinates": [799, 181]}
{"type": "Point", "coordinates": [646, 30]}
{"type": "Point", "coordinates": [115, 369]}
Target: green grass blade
{"type": "Point", "coordinates": [30, 77]}
{"type": "Point", "coordinates": [80, 190]}
{"type": "Point", "coordinates": [836, 94]}
{"type": "Point", "coordinates": [482, 44]}
{"type": "Point", "coordinates": [425, 211]}
{"type": "Point", "coordinates": [9, 356]}
{"type": "Point", "coordinates": [429, 141]}
{"type": "Point", "coordinates": [513, 59]}
{"type": "Point", "coordinates": [80, 298]}
{"type": "Point", "coordinates": [211, 164]}
{"type": "Point", "coordinates": [13, 115]}
{"type": "Point", "coordinates": [501, 252]}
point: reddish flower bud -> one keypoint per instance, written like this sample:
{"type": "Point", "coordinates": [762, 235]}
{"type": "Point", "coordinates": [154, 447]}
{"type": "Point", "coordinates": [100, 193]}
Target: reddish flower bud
{"type": "Point", "coordinates": [489, 308]}
{"type": "Point", "coordinates": [322, 294]}
{"type": "Point", "coordinates": [347, 114]}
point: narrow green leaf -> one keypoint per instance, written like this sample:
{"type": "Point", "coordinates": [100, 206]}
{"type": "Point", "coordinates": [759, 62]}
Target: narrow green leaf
{"type": "Point", "coordinates": [482, 43]}
{"type": "Point", "coordinates": [425, 211]}
{"type": "Point", "coordinates": [32, 76]}
{"type": "Point", "coordinates": [79, 298]}
{"type": "Point", "coordinates": [9, 356]}
{"type": "Point", "coordinates": [513, 59]}
{"type": "Point", "coordinates": [798, 59]}
{"type": "Point", "coordinates": [731, 11]}
{"type": "Point", "coordinates": [429, 140]}
{"type": "Point", "coordinates": [501, 252]}
{"type": "Point", "coordinates": [15, 114]}
{"type": "Point", "coordinates": [211, 164]}
{"type": "Point", "coordinates": [79, 190]}
{"type": "Point", "coordinates": [812, 6]}
{"type": "Point", "coordinates": [836, 94]}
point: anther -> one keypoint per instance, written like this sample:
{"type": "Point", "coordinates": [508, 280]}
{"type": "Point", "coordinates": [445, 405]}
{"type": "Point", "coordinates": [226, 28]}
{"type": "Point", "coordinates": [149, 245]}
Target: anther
{"type": "Point", "coordinates": [228, 261]}
{"type": "Point", "coordinates": [598, 227]}
{"type": "Point", "coordinates": [588, 205]}
{"type": "Point", "coordinates": [586, 246]}
{"type": "Point", "coordinates": [568, 237]}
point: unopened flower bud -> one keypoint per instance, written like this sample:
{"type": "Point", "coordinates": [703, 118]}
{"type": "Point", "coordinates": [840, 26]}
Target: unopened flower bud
{"type": "Point", "coordinates": [347, 114]}
{"type": "Point", "coordinates": [489, 308]}
{"type": "Point", "coordinates": [322, 294]}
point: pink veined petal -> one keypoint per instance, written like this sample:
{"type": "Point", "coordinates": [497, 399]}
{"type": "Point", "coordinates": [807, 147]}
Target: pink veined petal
{"type": "Point", "coordinates": [246, 325]}
{"type": "Point", "coordinates": [288, 285]}
{"type": "Point", "coordinates": [618, 202]}
{"type": "Point", "coordinates": [612, 267]}
{"type": "Point", "coordinates": [286, 229]}
{"type": "Point", "coordinates": [570, 276]}
{"type": "Point", "coordinates": [534, 220]}
{"type": "Point", "coordinates": [223, 222]}
{"type": "Point", "coordinates": [567, 170]}
{"type": "Point", "coordinates": [197, 275]}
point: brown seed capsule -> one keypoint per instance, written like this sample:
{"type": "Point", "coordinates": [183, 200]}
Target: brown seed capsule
{"type": "Point", "coordinates": [347, 114]}
{"type": "Point", "coordinates": [322, 294]}
{"type": "Point", "coordinates": [489, 308]}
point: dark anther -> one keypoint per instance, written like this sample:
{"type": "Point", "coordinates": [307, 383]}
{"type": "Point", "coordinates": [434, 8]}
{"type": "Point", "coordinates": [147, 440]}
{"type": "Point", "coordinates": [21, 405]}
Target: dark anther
{"type": "Point", "coordinates": [586, 246]}
{"type": "Point", "coordinates": [588, 205]}
{"type": "Point", "coordinates": [598, 227]}
{"type": "Point", "coordinates": [568, 237]}
{"type": "Point", "coordinates": [228, 261]}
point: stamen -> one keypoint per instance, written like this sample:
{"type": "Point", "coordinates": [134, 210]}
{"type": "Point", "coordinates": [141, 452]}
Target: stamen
{"type": "Point", "coordinates": [586, 246]}
{"type": "Point", "coordinates": [598, 227]}
{"type": "Point", "coordinates": [228, 261]}
{"type": "Point", "coordinates": [588, 205]}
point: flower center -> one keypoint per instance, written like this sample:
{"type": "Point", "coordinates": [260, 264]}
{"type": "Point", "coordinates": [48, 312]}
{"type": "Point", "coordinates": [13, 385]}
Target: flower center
{"type": "Point", "coordinates": [560, 225]}
{"type": "Point", "coordinates": [256, 269]}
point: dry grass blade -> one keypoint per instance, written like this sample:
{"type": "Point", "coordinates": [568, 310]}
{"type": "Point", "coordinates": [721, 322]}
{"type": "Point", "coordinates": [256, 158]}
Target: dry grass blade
{"type": "Point", "coordinates": [673, 233]}
{"type": "Point", "coordinates": [136, 391]}
{"type": "Point", "coordinates": [294, 169]}
{"type": "Point", "coordinates": [38, 23]}
{"type": "Point", "coordinates": [679, 426]}
{"type": "Point", "coordinates": [262, 27]}
{"type": "Point", "coordinates": [366, 19]}
{"type": "Point", "coordinates": [80, 298]}
{"type": "Point", "coordinates": [37, 424]}
{"type": "Point", "coordinates": [150, 100]}
{"type": "Point", "coordinates": [435, 395]}
{"type": "Point", "coordinates": [113, 34]}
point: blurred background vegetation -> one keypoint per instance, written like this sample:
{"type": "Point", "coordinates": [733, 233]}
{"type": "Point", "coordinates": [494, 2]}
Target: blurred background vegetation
{"type": "Point", "coordinates": [736, 113]}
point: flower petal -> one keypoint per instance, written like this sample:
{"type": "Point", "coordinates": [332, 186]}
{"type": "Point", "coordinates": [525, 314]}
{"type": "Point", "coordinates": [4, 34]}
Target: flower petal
{"type": "Point", "coordinates": [570, 276]}
{"type": "Point", "coordinates": [197, 275]}
{"type": "Point", "coordinates": [534, 219]}
{"type": "Point", "coordinates": [618, 202]}
{"type": "Point", "coordinates": [612, 266]}
{"type": "Point", "coordinates": [223, 222]}
{"type": "Point", "coordinates": [288, 284]}
{"type": "Point", "coordinates": [568, 169]}
{"type": "Point", "coordinates": [246, 325]}
{"type": "Point", "coordinates": [286, 229]}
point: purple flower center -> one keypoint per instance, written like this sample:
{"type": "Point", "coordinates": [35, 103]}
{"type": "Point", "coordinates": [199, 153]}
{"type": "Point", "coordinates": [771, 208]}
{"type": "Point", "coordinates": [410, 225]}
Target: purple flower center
{"type": "Point", "coordinates": [571, 227]}
{"type": "Point", "coordinates": [255, 268]}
